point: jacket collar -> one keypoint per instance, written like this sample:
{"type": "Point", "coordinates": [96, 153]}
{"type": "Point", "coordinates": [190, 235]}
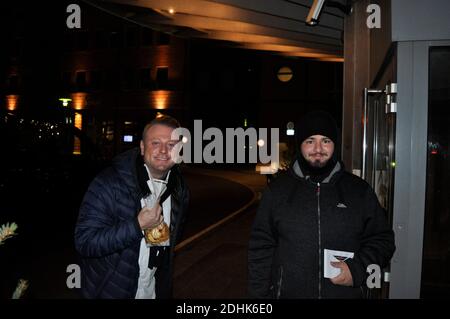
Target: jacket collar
{"type": "Point", "coordinates": [125, 165]}
{"type": "Point", "coordinates": [130, 166]}
{"type": "Point", "coordinates": [298, 171]}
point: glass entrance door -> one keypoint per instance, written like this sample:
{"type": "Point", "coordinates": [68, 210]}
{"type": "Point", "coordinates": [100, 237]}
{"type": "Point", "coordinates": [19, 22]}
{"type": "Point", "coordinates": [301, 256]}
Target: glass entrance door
{"type": "Point", "coordinates": [379, 157]}
{"type": "Point", "coordinates": [436, 246]}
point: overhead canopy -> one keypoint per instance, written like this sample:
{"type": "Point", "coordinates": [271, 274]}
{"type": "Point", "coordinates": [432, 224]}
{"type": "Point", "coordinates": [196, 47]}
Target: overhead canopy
{"type": "Point", "coordinates": [269, 25]}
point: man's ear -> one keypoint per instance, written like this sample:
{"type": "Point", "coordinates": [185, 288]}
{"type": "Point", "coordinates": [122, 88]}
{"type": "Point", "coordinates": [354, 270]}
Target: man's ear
{"type": "Point", "coordinates": [142, 147]}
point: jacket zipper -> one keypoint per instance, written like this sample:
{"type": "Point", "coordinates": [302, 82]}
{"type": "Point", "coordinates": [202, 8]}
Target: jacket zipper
{"type": "Point", "coordinates": [320, 243]}
{"type": "Point", "coordinates": [280, 282]}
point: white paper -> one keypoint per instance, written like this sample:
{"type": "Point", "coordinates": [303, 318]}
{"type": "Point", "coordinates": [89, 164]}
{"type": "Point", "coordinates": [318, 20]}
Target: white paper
{"type": "Point", "coordinates": [334, 255]}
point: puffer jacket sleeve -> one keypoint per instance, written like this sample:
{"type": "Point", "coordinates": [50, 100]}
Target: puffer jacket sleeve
{"type": "Point", "coordinates": [184, 211]}
{"type": "Point", "coordinates": [98, 231]}
{"type": "Point", "coordinates": [261, 250]}
{"type": "Point", "coordinates": [377, 240]}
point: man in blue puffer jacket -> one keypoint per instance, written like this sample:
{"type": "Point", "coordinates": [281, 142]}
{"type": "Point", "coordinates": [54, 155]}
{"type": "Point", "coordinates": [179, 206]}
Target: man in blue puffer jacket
{"type": "Point", "coordinates": [109, 234]}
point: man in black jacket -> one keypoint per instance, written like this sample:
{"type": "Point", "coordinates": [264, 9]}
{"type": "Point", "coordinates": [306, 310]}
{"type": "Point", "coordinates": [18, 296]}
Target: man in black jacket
{"type": "Point", "coordinates": [313, 217]}
{"type": "Point", "coordinates": [141, 190]}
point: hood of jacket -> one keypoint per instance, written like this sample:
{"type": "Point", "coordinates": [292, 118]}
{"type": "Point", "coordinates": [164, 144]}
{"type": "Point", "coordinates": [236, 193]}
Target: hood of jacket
{"type": "Point", "coordinates": [334, 174]}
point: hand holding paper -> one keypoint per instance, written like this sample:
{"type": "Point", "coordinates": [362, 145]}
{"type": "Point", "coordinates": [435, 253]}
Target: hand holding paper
{"type": "Point", "coordinates": [345, 277]}
{"type": "Point", "coordinates": [334, 256]}
{"type": "Point", "coordinates": [149, 216]}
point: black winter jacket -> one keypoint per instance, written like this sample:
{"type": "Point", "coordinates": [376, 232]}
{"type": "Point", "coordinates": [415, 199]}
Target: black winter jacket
{"type": "Point", "coordinates": [108, 236]}
{"type": "Point", "coordinates": [297, 219]}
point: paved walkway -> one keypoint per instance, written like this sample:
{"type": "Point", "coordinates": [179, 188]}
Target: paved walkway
{"type": "Point", "coordinates": [215, 265]}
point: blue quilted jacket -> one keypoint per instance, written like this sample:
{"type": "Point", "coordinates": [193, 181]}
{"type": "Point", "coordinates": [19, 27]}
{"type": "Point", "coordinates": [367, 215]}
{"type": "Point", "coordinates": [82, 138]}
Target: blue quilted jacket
{"type": "Point", "coordinates": [107, 233]}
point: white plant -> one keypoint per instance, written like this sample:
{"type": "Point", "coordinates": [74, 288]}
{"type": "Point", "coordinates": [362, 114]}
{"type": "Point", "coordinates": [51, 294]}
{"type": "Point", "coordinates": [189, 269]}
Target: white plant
{"type": "Point", "coordinates": [20, 289]}
{"type": "Point", "coordinates": [7, 230]}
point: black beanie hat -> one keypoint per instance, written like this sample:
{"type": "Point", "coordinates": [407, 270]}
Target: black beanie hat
{"type": "Point", "coordinates": [316, 123]}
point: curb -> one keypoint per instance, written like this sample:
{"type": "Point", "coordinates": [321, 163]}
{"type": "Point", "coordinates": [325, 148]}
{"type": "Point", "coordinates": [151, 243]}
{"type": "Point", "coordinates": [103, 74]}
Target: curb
{"type": "Point", "coordinates": [210, 228]}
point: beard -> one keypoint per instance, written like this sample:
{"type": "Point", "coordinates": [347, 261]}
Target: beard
{"type": "Point", "coordinates": [316, 169]}
{"type": "Point", "coordinates": [318, 163]}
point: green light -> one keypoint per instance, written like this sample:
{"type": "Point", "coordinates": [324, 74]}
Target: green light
{"type": "Point", "coordinates": [245, 122]}
{"type": "Point", "coordinates": [65, 101]}
{"type": "Point", "coordinates": [393, 164]}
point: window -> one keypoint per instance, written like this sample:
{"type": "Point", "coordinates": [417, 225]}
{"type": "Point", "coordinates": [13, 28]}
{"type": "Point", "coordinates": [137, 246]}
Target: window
{"type": "Point", "coordinates": [128, 138]}
{"type": "Point", "coordinates": [112, 79]}
{"type": "Point", "coordinates": [80, 80]}
{"type": "Point", "coordinates": [145, 79]}
{"type": "Point", "coordinates": [162, 77]}
{"type": "Point", "coordinates": [129, 132]}
{"type": "Point", "coordinates": [128, 79]}
{"type": "Point", "coordinates": [108, 131]}
{"type": "Point", "coordinates": [66, 80]}
{"type": "Point", "coordinates": [13, 82]}
{"type": "Point", "coordinates": [96, 82]}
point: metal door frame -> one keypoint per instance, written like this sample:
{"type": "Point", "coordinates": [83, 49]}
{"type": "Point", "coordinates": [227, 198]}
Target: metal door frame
{"type": "Point", "coordinates": [411, 166]}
